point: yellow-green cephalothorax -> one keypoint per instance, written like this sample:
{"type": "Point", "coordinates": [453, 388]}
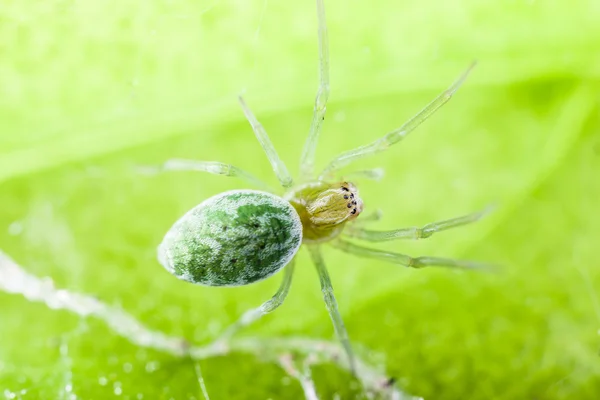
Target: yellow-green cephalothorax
{"type": "Point", "coordinates": [324, 208]}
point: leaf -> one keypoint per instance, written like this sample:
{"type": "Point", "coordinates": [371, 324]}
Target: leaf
{"type": "Point", "coordinates": [92, 92]}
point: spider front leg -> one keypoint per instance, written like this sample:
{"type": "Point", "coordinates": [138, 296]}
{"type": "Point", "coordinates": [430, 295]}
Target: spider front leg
{"type": "Point", "coordinates": [331, 304]}
{"type": "Point", "coordinates": [307, 160]}
{"type": "Point", "coordinates": [276, 163]}
{"type": "Point", "coordinates": [212, 167]}
{"type": "Point", "coordinates": [413, 232]}
{"type": "Point", "coordinates": [404, 260]}
{"type": "Point", "coordinates": [396, 135]}
{"type": "Point", "coordinates": [268, 306]}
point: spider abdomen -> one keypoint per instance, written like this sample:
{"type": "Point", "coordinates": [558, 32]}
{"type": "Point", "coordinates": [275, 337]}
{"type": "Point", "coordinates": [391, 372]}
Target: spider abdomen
{"type": "Point", "coordinates": [232, 239]}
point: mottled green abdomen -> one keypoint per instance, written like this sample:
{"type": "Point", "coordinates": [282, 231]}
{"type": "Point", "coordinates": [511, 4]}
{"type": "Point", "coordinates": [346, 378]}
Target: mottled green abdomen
{"type": "Point", "coordinates": [233, 238]}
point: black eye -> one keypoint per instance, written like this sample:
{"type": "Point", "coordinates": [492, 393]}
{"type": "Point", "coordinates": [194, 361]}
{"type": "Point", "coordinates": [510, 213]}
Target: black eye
{"type": "Point", "coordinates": [346, 196]}
{"type": "Point", "coordinates": [354, 211]}
{"type": "Point", "coordinates": [349, 205]}
{"type": "Point", "coordinates": [345, 188]}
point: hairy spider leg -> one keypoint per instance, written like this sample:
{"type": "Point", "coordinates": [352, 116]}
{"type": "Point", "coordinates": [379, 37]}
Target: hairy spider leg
{"type": "Point", "coordinates": [396, 135]}
{"type": "Point", "coordinates": [278, 165]}
{"type": "Point", "coordinates": [404, 260]}
{"type": "Point", "coordinates": [413, 232]}
{"type": "Point", "coordinates": [307, 160]}
{"type": "Point", "coordinates": [268, 306]}
{"type": "Point", "coordinates": [213, 167]}
{"type": "Point", "coordinates": [331, 303]}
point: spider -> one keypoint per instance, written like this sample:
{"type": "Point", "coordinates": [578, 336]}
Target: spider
{"type": "Point", "coordinates": [243, 236]}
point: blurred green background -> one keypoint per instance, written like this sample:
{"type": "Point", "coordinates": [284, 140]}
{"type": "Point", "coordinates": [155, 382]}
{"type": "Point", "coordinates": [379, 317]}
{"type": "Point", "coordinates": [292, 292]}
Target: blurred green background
{"type": "Point", "coordinates": [92, 90]}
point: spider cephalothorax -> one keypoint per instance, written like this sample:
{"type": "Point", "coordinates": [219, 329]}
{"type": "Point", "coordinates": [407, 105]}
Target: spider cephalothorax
{"type": "Point", "coordinates": [243, 236]}
{"type": "Point", "coordinates": [324, 208]}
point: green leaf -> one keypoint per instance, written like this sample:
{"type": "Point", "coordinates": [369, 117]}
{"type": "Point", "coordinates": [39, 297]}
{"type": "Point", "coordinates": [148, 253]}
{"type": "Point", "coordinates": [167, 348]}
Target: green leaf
{"type": "Point", "coordinates": [94, 91]}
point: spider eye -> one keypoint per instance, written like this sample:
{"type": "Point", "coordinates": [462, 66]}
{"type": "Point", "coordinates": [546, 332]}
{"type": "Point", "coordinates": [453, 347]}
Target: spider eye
{"type": "Point", "coordinates": [354, 211]}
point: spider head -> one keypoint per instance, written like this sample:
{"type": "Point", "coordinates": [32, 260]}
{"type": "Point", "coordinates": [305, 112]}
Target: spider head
{"type": "Point", "coordinates": [335, 205]}
{"type": "Point", "coordinates": [324, 208]}
{"type": "Point", "coordinates": [352, 200]}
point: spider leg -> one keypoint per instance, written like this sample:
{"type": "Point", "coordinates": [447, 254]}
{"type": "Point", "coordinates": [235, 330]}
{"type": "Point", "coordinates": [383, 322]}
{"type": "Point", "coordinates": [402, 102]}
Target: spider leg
{"type": "Point", "coordinates": [268, 306]}
{"type": "Point", "coordinates": [404, 260]}
{"type": "Point", "coordinates": [307, 160]}
{"type": "Point", "coordinates": [212, 167]}
{"type": "Point", "coordinates": [374, 174]}
{"type": "Point", "coordinates": [278, 166]}
{"type": "Point", "coordinates": [396, 135]}
{"type": "Point", "coordinates": [331, 304]}
{"type": "Point", "coordinates": [413, 232]}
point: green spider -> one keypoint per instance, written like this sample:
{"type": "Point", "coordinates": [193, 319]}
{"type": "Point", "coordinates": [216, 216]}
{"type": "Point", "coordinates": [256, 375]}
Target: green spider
{"type": "Point", "coordinates": [243, 236]}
